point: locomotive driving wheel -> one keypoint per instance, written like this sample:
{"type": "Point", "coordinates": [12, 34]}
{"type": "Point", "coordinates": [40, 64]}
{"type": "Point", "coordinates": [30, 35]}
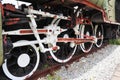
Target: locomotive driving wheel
{"type": "Point", "coordinates": [99, 35]}
{"type": "Point", "coordinates": [86, 31]}
{"type": "Point", "coordinates": [67, 49]}
{"type": "Point", "coordinates": [23, 62]}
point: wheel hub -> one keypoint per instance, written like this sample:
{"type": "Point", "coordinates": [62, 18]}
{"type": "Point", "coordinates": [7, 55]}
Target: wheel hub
{"type": "Point", "coordinates": [99, 33]}
{"type": "Point", "coordinates": [66, 36]}
{"type": "Point", "coordinates": [23, 60]}
{"type": "Point", "coordinates": [87, 33]}
{"type": "Point", "coordinates": [72, 44]}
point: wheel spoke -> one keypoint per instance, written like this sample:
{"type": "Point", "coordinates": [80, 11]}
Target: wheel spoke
{"type": "Point", "coordinates": [12, 64]}
{"type": "Point", "coordinates": [32, 55]}
{"type": "Point", "coordinates": [27, 50]}
{"type": "Point", "coordinates": [24, 70]}
{"type": "Point", "coordinates": [15, 55]}
{"type": "Point", "coordinates": [32, 65]}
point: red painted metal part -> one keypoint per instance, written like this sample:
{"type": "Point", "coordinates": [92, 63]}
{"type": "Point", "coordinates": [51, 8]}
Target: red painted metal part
{"type": "Point", "coordinates": [83, 21]}
{"type": "Point", "coordinates": [12, 21]}
{"type": "Point", "coordinates": [9, 7]}
{"type": "Point", "coordinates": [55, 48]}
{"type": "Point", "coordinates": [75, 40]}
{"type": "Point", "coordinates": [29, 31]}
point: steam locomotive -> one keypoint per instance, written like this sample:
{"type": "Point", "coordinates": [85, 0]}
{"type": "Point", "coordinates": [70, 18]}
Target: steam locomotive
{"type": "Point", "coordinates": [55, 27]}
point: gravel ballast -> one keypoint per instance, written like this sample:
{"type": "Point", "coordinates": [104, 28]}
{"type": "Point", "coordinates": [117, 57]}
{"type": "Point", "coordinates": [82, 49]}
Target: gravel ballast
{"type": "Point", "coordinates": [97, 66]}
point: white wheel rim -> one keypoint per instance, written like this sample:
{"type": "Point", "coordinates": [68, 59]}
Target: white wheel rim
{"type": "Point", "coordinates": [65, 60]}
{"type": "Point", "coordinates": [9, 75]}
{"type": "Point", "coordinates": [100, 34]}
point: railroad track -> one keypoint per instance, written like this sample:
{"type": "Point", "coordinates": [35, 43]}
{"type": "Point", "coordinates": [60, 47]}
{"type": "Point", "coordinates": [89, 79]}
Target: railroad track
{"type": "Point", "coordinates": [56, 66]}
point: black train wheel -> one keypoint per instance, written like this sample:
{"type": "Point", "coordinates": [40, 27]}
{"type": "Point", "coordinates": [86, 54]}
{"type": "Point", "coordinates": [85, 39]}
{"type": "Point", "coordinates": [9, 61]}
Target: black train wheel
{"type": "Point", "coordinates": [23, 62]}
{"type": "Point", "coordinates": [99, 33]}
{"type": "Point", "coordinates": [86, 30]}
{"type": "Point", "coordinates": [67, 49]}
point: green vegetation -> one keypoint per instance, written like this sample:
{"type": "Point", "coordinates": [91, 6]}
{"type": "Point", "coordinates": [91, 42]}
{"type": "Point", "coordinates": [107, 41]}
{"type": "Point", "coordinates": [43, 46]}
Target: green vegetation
{"type": "Point", "coordinates": [53, 77]}
{"type": "Point", "coordinates": [114, 41]}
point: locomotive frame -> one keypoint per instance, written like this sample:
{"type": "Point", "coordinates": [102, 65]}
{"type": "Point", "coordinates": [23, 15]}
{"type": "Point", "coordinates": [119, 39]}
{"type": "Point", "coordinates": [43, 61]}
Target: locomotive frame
{"type": "Point", "coordinates": [41, 28]}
